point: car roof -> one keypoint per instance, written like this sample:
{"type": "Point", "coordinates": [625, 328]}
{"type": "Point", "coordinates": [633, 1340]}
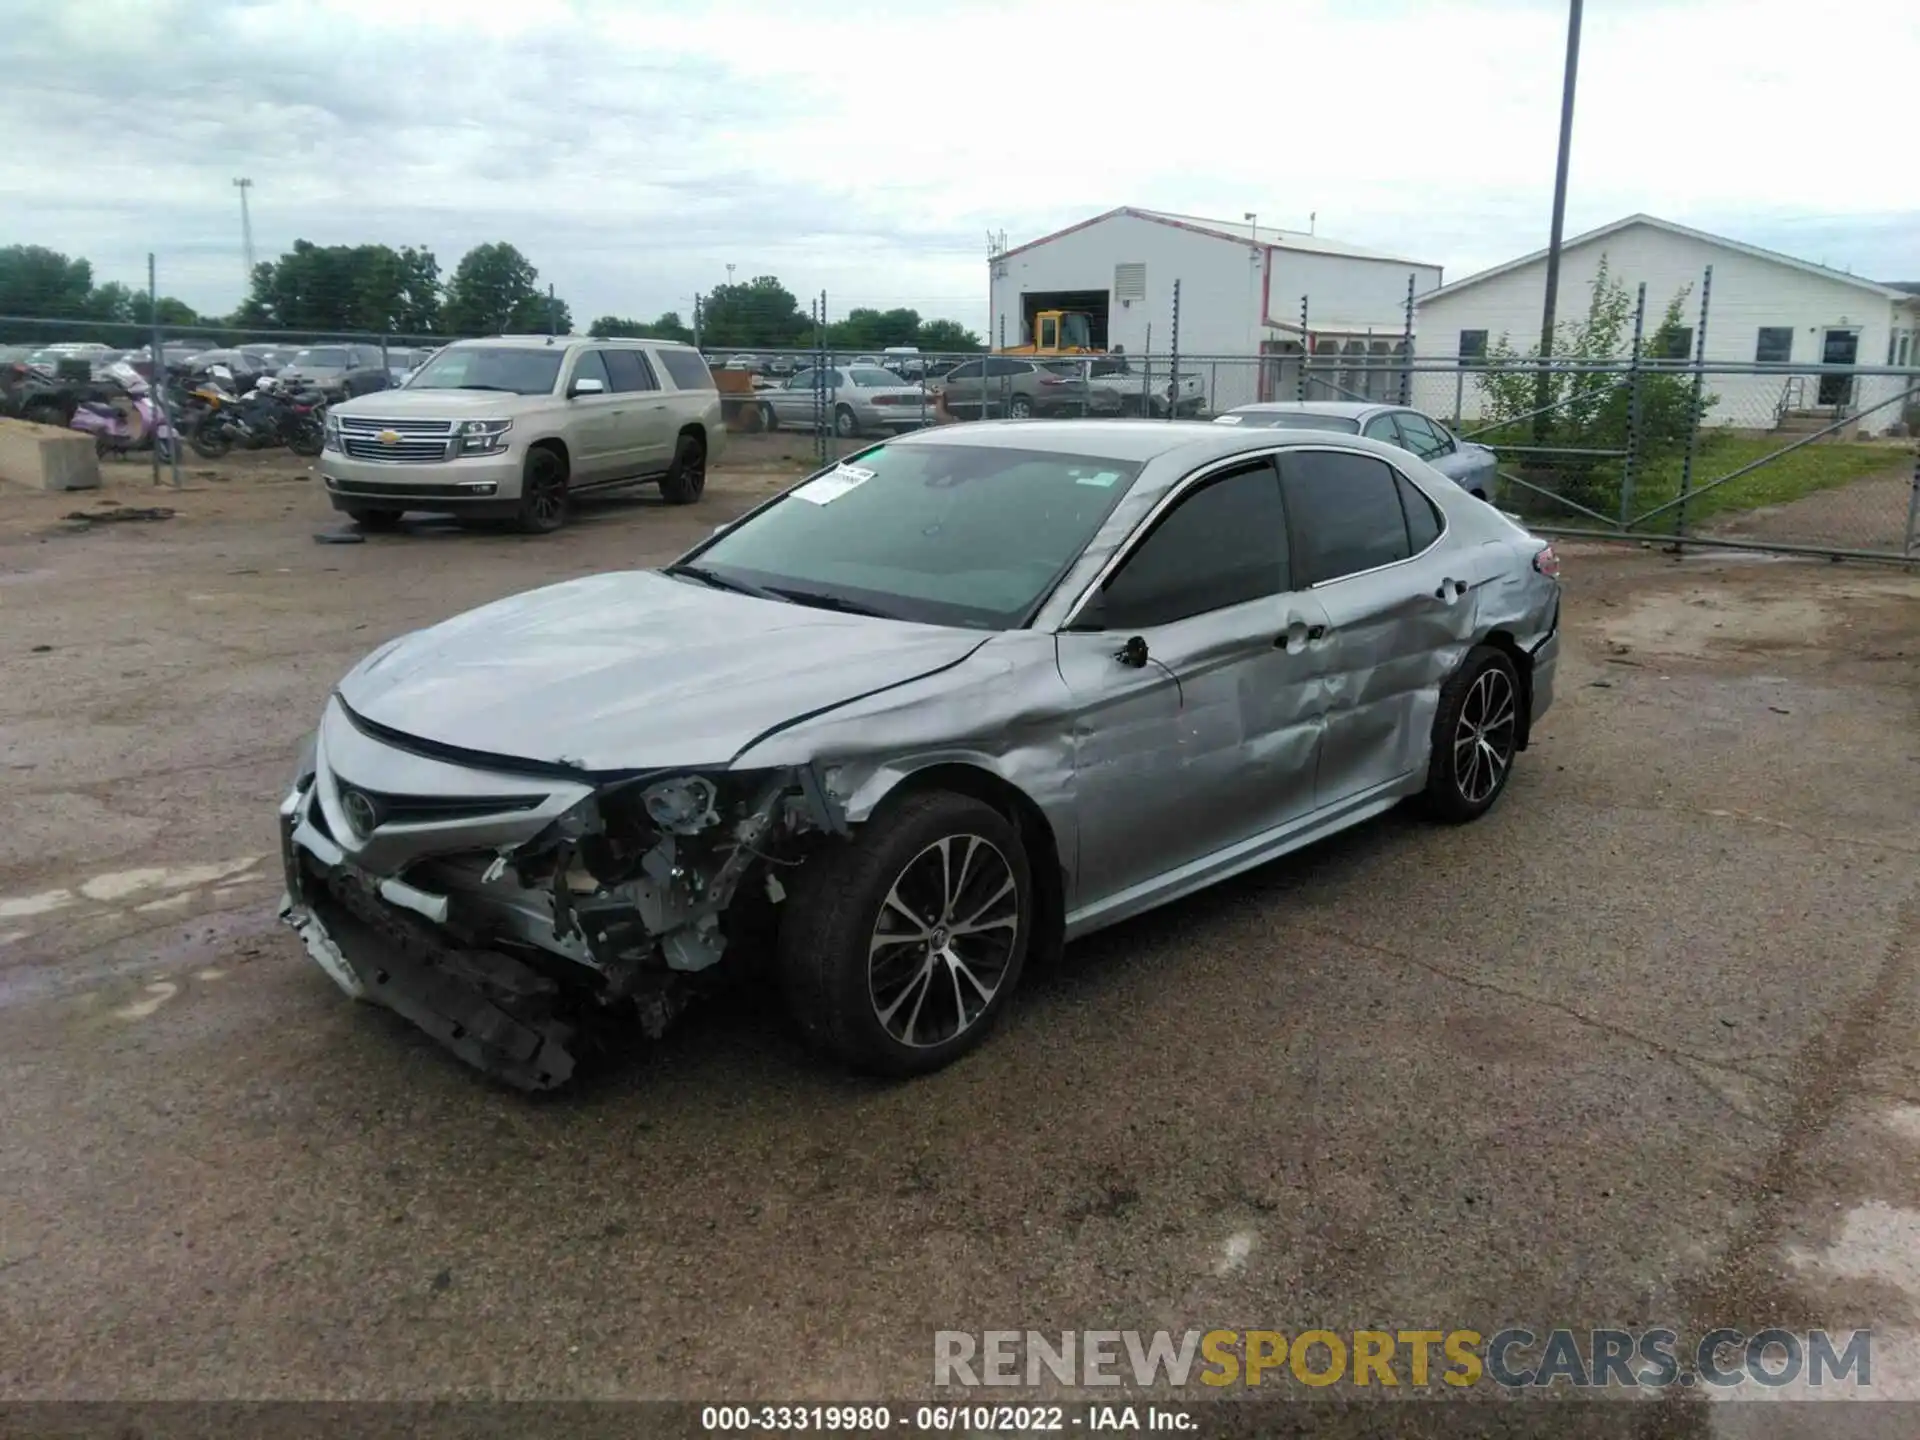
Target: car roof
{"type": "Point", "coordinates": [557, 342]}
{"type": "Point", "coordinates": [1346, 409]}
{"type": "Point", "coordinates": [1135, 441]}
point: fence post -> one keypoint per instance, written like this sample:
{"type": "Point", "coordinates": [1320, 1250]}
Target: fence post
{"type": "Point", "coordinates": [1306, 351]}
{"type": "Point", "coordinates": [553, 313]}
{"type": "Point", "coordinates": [829, 444]}
{"type": "Point", "coordinates": [696, 319]}
{"type": "Point", "coordinates": [1146, 375]}
{"type": "Point", "coordinates": [1173, 369]}
{"type": "Point", "coordinates": [1912, 548]}
{"type": "Point", "coordinates": [1406, 341]}
{"type": "Point", "coordinates": [1693, 413]}
{"type": "Point", "coordinates": [1459, 387]}
{"type": "Point", "coordinates": [159, 363]}
{"type": "Point", "coordinates": [1629, 465]}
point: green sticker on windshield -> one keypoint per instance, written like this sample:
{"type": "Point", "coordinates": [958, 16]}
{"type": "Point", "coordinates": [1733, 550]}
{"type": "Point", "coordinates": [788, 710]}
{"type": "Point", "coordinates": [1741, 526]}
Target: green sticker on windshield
{"type": "Point", "coordinates": [1104, 479]}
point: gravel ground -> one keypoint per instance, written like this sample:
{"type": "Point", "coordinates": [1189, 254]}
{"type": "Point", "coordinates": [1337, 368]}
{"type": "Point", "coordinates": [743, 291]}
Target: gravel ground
{"type": "Point", "coordinates": [1639, 1048]}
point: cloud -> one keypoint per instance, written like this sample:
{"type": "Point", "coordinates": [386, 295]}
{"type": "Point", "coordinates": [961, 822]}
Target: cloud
{"type": "Point", "coordinates": [635, 150]}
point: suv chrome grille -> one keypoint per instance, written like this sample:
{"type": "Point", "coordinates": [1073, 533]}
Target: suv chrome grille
{"type": "Point", "coordinates": [396, 441]}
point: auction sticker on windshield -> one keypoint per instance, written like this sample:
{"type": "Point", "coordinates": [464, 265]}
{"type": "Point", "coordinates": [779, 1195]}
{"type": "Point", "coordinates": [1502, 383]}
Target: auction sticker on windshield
{"type": "Point", "coordinates": [835, 483]}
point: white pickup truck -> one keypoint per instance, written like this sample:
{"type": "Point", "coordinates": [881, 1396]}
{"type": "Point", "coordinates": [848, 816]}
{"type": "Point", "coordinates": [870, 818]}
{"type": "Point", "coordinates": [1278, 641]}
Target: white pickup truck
{"type": "Point", "coordinates": [1147, 388]}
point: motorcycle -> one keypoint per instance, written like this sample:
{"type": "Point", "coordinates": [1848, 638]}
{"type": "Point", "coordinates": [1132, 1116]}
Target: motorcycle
{"type": "Point", "coordinates": [265, 417]}
{"type": "Point", "coordinates": [131, 420]}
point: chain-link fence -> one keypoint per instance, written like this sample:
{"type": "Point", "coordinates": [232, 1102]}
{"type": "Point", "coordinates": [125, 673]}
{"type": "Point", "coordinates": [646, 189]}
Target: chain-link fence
{"type": "Point", "coordinates": [1808, 457]}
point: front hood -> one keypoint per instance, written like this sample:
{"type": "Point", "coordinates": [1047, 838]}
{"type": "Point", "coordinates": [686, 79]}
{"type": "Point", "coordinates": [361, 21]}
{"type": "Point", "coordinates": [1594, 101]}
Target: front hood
{"type": "Point", "coordinates": [438, 404]}
{"type": "Point", "coordinates": [634, 671]}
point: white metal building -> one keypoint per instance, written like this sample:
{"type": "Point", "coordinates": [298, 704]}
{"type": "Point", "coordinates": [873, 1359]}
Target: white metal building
{"type": "Point", "coordinates": [1241, 291]}
{"type": "Point", "coordinates": [1763, 307]}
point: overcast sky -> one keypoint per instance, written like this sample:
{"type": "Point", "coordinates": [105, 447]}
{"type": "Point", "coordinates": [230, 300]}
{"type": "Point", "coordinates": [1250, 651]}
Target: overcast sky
{"type": "Point", "coordinates": [636, 149]}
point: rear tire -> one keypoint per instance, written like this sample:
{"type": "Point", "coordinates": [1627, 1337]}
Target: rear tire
{"type": "Point", "coordinates": [769, 419]}
{"type": "Point", "coordinates": [887, 940]}
{"type": "Point", "coordinates": [544, 498]}
{"type": "Point", "coordinates": [844, 423]}
{"type": "Point", "coordinates": [686, 482]}
{"type": "Point", "coordinates": [1476, 735]}
{"type": "Point", "coordinates": [1020, 408]}
{"type": "Point", "coordinates": [373, 519]}
{"type": "Point", "coordinates": [210, 438]}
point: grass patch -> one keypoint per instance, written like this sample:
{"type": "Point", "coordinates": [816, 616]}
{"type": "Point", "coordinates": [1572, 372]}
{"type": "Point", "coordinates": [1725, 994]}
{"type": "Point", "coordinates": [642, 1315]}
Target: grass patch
{"type": "Point", "coordinates": [1823, 465]}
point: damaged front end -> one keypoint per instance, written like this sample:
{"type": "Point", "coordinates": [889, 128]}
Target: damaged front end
{"type": "Point", "coordinates": [527, 916]}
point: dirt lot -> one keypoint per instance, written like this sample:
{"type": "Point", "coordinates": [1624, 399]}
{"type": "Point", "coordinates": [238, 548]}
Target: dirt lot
{"type": "Point", "coordinates": [1639, 1048]}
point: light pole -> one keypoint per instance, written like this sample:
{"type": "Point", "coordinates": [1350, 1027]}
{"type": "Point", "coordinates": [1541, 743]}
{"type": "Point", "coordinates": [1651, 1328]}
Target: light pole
{"type": "Point", "coordinates": [729, 275]}
{"type": "Point", "coordinates": [246, 231]}
{"type": "Point", "coordinates": [1558, 227]}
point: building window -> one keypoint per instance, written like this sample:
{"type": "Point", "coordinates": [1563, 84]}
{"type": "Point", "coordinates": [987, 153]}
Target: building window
{"type": "Point", "coordinates": [1775, 345]}
{"type": "Point", "coordinates": [1675, 343]}
{"type": "Point", "coordinates": [1906, 348]}
{"type": "Point", "coordinates": [1473, 346]}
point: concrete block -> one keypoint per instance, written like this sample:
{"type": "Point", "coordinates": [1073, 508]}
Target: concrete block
{"type": "Point", "coordinates": [45, 457]}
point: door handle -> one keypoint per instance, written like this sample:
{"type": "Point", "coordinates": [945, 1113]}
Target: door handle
{"type": "Point", "coordinates": [1297, 636]}
{"type": "Point", "coordinates": [1450, 590]}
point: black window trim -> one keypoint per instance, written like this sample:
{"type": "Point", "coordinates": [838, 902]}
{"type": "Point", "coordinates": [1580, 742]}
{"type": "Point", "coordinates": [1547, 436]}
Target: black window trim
{"type": "Point", "coordinates": [1136, 537]}
{"type": "Point", "coordinates": [1445, 523]}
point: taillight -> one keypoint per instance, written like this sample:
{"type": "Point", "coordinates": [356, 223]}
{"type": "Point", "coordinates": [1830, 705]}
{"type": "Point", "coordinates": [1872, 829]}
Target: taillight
{"type": "Point", "coordinates": [1546, 562]}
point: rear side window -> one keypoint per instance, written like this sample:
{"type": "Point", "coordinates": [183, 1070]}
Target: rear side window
{"type": "Point", "coordinates": [688, 369]}
{"type": "Point", "coordinates": [1423, 520]}
{"type": "Point", "coordinates": [1423, 437]}
{"type": "Point", "coordinates": [998, 366]}
{"type": "Point", "coordinates": [629, 370]}
{"type": "Point", "coordinates": [1345, 511]}
{"type": "Point", "coordinates": [1223, 544]}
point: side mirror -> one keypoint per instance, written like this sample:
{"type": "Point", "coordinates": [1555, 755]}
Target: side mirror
{"type": "Point", "coordinates": [587, 387]}
{"type": "Point", "coordinates": [1133, 654]}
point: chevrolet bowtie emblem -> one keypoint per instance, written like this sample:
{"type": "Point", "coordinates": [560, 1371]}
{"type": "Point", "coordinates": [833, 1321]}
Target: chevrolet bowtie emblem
{"type": "Point", "coordinates": [388, 437]}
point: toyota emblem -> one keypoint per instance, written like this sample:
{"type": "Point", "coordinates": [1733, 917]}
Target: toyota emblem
{"type": "Point", "coordinates": [360, 810]}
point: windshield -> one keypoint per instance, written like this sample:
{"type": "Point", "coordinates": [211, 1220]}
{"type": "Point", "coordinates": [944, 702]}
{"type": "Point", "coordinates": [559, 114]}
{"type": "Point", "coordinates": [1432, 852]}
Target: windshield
{"type": "Point", "coordinates": [947, 534]}
{"type": "Point", "coordinates": [322, 359]}
{"type": "Point", "coordinates": [1299, 420]}
{"type": "Point", "coordinates": [1075, 333]}
{"type": "Point", "coordinates": [481, 367]}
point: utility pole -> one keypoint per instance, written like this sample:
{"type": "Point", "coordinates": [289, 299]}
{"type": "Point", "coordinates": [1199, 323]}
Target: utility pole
{"type": "Point", "coordinates": [246, 232]}
{"type": "Point", "coordinates": [1558, 228]}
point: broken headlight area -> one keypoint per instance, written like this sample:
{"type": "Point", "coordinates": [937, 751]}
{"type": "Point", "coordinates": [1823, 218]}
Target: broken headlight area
{"type": "Point", "coordinates": [613, 917]}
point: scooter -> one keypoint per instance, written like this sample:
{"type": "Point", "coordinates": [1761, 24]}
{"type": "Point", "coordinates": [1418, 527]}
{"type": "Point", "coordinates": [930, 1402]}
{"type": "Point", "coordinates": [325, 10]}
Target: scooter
{"type": "Point", "coordinates": [126, 424]}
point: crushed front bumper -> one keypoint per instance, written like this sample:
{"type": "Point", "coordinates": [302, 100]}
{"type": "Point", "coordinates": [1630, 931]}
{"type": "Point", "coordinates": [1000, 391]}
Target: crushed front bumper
{"type": "Point", "coordinates": [491, 1010]}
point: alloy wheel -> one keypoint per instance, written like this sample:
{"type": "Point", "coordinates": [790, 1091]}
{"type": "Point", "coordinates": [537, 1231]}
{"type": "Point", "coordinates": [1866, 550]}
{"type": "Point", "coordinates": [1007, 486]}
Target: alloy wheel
{"type": "Point", "coordinates": [943, 941]}
{"type": "Point", "coordinates": [1483, 744]}
{"type": "Point", "coordinates": [547, 493]}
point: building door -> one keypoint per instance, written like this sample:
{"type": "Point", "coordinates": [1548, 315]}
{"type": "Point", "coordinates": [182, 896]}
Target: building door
{"type": "Point", "coordinates": [1838, 347]}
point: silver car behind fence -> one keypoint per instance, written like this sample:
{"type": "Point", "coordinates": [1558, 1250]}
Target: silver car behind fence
{"type": "Point", "coordinates": [926, 715]}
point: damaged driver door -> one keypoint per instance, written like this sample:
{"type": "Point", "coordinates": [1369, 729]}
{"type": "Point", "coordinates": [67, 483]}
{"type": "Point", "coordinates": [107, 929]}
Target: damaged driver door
{"type": "Point", "coordinates": [1197, 712]}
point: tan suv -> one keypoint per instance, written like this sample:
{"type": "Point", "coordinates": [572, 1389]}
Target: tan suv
{"type": "Point", "coordinates": [517, 425]}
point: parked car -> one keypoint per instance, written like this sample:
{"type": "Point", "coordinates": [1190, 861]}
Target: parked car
{"type": "Point", "coordinates": [1474, 468]}
{"type": "Point", "coordinates": [859, 400]}
{"type": "Point", "coordinates": [268, 358]}
{"type": "Point", "coordinates": [1147, 391]}
{"type": "Point", "coordinates": [340, 371]}
{"type": "Point", "coordinates": [1005, 385]}
{"type": "Point", "coordinates": [938, 708]}
{"type": "Point", "coordinates": [518, 425]}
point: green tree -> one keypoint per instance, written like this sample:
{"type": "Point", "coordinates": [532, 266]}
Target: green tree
{"type": "Point", "coordinates": [37, 281]}
{"type": "Point", "coordinates": [1592, 409]}
{"type": "Point", "coordinates": [947, 337]}
{"type": "Point", "coordinates": [496, 291]}
{"type": "Point", "coordinates": [374, 288]}
{"type": "Point", "coordinates": [760, 315]}
{"type": "Point", "coordinates": [667, 327]}
{"type": "Point", "coordinates": [865, 329]}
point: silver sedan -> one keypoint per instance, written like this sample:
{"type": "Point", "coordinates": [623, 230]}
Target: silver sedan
{"type": "Point", "coordinates": [856, 400]}
{"type": "Point", "coordinates": [1474, 468]}
{"type": "Point", "coordinates": [934, 710]}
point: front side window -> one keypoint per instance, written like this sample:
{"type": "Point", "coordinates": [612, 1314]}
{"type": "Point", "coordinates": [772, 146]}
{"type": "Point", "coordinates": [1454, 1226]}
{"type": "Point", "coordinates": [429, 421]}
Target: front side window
{"type": "Point", "coordinates": [966, 535]}
{"type": "Point", "coordinates": [590, 366]}
{"type": "Point", "coordinates": [1422, 436]}
{"type": "Point", "coordinates": [629, 371]}
{"type": "Point", "coordinates": [513, 369]}
{"type": "Point", "coordinates": [1223, 544]}
{"type": "Point", "coordinates": [972, 370]}
{"type": "Point", "coordinates": [1007, 367]}
{"type": "Point", "coordinates": [1345, 511]}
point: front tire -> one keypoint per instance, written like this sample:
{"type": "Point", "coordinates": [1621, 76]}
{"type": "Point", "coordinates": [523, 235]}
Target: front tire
{"type": "Point", "coordinates": [1476, 734]}
{"type": "Point", "coordinates": [686, 482]}
{"type": "Point", "coordinates": [211, 439]}
{"type": "Point", "coordinates": [844, 423]}
{"type": "Point", "coordinates": [544, 498]}
{"type": "Point", "coordinates": [899, 950]}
